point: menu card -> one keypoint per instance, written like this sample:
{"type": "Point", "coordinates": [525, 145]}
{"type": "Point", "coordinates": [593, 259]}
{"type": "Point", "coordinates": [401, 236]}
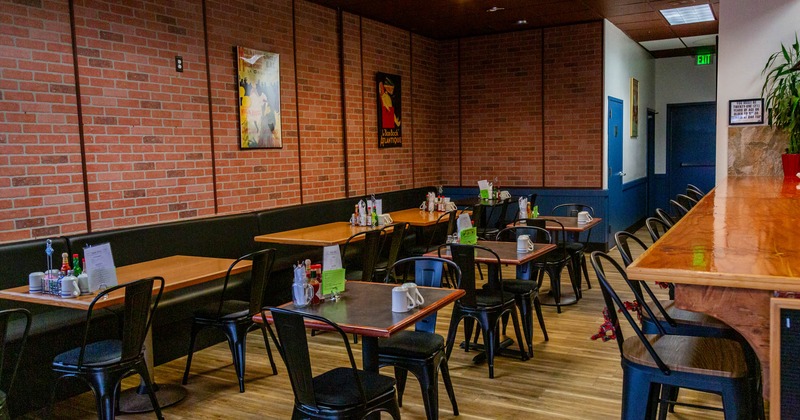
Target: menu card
{"type": "Point", "coordinates": [332, 271]}
{"type": "Point", "coordinates": [100, 266]}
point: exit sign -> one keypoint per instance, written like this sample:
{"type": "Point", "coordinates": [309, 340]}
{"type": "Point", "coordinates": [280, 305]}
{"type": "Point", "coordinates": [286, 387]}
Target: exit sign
{"type": "Point", "coordinates": [703, 59]}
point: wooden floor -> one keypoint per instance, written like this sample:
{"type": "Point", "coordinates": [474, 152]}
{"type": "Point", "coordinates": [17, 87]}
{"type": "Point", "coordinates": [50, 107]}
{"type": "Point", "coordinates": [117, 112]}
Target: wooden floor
{"type": "Point", "coordinates": [569, 377]}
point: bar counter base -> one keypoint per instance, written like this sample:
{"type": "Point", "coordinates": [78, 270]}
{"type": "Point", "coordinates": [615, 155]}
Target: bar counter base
{"type": "Point", "coordinates": [136, 400]}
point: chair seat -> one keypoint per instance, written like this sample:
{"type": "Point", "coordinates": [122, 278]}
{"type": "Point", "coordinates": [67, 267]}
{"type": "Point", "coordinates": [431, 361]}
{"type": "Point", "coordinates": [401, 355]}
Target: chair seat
{"type": "Point", "coordinates": [682, 316]}
{"type": "Point", "coordinates": [517, 286]}
{"type": "Point", "coordinates": [699, 355]}
{"type": "Point", "coordinates": [99, 353]}
{"type": "Point", "coordinates": [411, 344]}
{"type": "Point", "coordinates": [551, 258]}
{"type": "Point", "coordinates": [231, 309]}
{"type": "Point", "coordinates": [337, 387]}
{"type": "Point", "coordinates": [486, 297]}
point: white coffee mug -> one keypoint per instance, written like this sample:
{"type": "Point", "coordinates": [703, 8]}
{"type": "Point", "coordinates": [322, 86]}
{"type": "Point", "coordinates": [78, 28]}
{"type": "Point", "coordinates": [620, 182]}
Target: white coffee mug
{"type": "Point", "coordinates": [584, 217]}
{"type": "Point", "coordinates": [69, 287]}
{"type": "Point", "coordinates": [35, 282]}
{"type": "Point", "coordinates": [524, 244]}
{"type": "Point", "coordinates": [83, 283]}
{"type": "Point", "coordinates": [401, 300]}
{"type": "Point", "coordinates": [302, 293]}
{"type": "Point", "coordinates": [416, 296]}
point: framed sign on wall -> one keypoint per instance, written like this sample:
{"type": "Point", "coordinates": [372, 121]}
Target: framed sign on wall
{"type": "Point", "coordinates": [746, 111]}
{"type": "Point", "coordinates": [390, 133]}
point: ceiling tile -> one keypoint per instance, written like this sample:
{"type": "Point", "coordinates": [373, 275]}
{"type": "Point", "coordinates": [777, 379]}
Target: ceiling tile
{"type": "Point", "coordinates": [663, 44]}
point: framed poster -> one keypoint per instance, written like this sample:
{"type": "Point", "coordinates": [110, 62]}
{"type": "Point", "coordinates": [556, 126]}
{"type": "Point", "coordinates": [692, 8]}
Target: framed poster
{"type": "Point", "coordinates": [634, 108]}
{"type": "Point", "coordinates": [258, 80]}
{"type": "Point", "coordinates": [746, 111]}
{"type": "Point", "coordinates": [389, 105]}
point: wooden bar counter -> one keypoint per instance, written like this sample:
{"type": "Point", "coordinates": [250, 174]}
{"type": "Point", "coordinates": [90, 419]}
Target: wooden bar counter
{"type": "Point", "coordinates": [727, 256]}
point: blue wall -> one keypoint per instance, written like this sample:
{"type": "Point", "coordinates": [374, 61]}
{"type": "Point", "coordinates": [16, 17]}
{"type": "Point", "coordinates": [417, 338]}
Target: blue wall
{"type": "Point", "coordinates": [634, 194]}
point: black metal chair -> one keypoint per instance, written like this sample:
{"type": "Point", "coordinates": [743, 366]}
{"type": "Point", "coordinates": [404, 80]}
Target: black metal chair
{"type": "Point", "coordinates": [656, 227]}
{"type": "Point", "coordinates": [103, 364]}
{"type": "Point", "coordinates": [6, 317]}
{"type": "Point", "coordinates": [340, 393]}
{"type": "Point", "coordinates": [696, 189]}
{"type": "Point", "coordinates": [422, 351]}
{"type": "Point", "coordinates": [526, 292]}
{"type": "Point", "coordinates": [553, 262]}
{"type": "Point", "coordinates": [486, 306]}
{"type": "Point", "coordinates": [395, 241]}
{"type": "Point", "coordinates": [671, 361]}
{"type": "Point", "coordinates": [576, 247]}
{"type": "Point", "coordinates": [235, 317]}
{"type": "Point", "coordinates": [694, 194]}
{"type": "Point", "coordinates": [679, 210]}
{"type": "Point", "coordinates": [364, 260]}
{"type": "Point", "coordinates": [665, 217]}
{"type": "Point", "coordinates": [489, 232]}
{"type": "Point", "coordinates": [686, 201]}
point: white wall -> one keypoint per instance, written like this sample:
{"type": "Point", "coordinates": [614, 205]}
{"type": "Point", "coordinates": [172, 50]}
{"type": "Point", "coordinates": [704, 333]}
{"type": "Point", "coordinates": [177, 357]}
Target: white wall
{"type": "Point", "coordinates": [749, 31]}
{"type": "Point", "coordinates": [623, 59]}
{"type": "Point", "coordinates": [678, 81]}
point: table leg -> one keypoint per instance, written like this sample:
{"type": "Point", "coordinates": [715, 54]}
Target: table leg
{"type": "Point", "coordinates": [369, 357]}
{"type": "Point", "coordinates": [136, 400]}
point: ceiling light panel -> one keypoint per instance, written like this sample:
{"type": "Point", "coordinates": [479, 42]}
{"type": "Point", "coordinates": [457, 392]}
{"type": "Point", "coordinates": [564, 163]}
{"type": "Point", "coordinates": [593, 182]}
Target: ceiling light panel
{"type": "Point", "coordinates": [686, 15]}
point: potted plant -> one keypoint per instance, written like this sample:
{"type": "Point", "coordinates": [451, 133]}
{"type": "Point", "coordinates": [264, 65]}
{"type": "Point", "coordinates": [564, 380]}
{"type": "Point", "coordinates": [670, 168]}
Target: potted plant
{"type": "Point", "coordinates": [780, 93]}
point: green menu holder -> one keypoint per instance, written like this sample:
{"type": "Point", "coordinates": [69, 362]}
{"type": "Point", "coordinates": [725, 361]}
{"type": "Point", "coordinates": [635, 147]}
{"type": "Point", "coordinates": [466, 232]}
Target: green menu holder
{"type": "Point", "coordinates": [485, 194]}
{"type": "Point", "coordinates": [332, 279]}
{"type": "Point", "coordinates": [469, 236]}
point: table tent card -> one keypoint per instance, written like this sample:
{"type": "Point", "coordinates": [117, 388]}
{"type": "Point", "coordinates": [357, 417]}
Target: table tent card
{"type": "Point", "coordinates": [332, 271]}
{"type": "Point", "coordinates": [467, 234]}
{"type": "Point", "coordinates": [100, 266]}
{"type": "Point", "coordinates": [485, 189]}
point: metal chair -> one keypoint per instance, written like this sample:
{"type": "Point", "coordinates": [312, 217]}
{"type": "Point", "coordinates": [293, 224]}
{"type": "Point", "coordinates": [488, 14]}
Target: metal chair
{"type": "Point", "coordinates": [679, 209]}
{"type": "Point", "coordinates": [656, 227]}
{"type": "Point", "coordinates": [363, 266]}
{"type": "Point", "coordinates": [671, 361]}
{"type": "Point", "coordinates": [665, 217]}
{"type": "Point", "coordinates": [339, 393]}
{"type": "Point", "coordinates": [486, 306]}
{"type": "Point", "coordinates": [235, 317]}
{"type": "Point", "coordinates": [686, 201]}
{"type": "Point", "coordinates": [526, 291]}
{"type": "Point", "coordinates": [103, 364]}
{"type": "Point", "coordinates": [395, 241]}
{"type": "Point", "coordinates": [553, 262]}
{"type": "Point", "coordinates": [5, 320]}
{"type": "Point", "coordinates": [422, 351]}
{"type": "Point", "coordinates": [576, 248]}
{"type": "Point", "coordinates": [438, 236]}
{"type": "Point", "coordinates": [694, 194]}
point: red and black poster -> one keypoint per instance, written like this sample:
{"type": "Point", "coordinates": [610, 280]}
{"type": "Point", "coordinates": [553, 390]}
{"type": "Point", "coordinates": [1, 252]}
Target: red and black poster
{"type": "Point", "coordinates": [389, 130]}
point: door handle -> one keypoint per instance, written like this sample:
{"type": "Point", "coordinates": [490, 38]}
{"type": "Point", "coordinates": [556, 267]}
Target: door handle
{"type": "Point", "coordinates": [620, 173]}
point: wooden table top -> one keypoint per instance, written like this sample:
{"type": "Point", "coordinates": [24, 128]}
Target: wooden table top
{"type": "Point", "coordinates": [335, 233]}
{"type": "Point", "coordinates": [417, 217]}
{"type": "Point", "coordinates": [507, 251]}
{"type": "Point", "coordinates": [178, 271]}
{"type": "Point", "coordinates": [366, 309]}
{"type": "Point", "coordinates": [570, 223]}
{"type": "Point", "coordinates": [743, 234]}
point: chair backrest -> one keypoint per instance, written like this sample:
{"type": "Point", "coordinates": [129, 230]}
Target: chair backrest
{"type": "Point", "coordinates": [532, 199]}
{"type": "Point", "coordinates": [694, 194]}
{"type": "Point", "coordinates": [501, 220]}
{"type": "Point", "coordinates": [686, 201]}
{"type": "Point", "coordinates": [537, 233]}
{"type": "Point", "coordinates": [623, 240]}
{"type": "Point", "coordinates": [612, 299]}
{"type": "Point", "coordinates": [5, 319]}
{"type": "Point", "coordinates": [679, 209]}
{"type": "Point", "coordinates": [665, 217]}
{"type": "Point", "coordinates": [441, 230]}
{"type": "Point", "coordinates": [695, 188]}
{"type": "Point", "coordinates": [477, 215]}
{"type": "Point", "coordinates": [572, 210]}
{"type": "Point", "coordinates": [263, 261]}
{"type": "Point", "coordinates": [370, 250]}
{"type": "Point", "coordinates": [292, 336]}
{"type": "Point", "coordinates": [137, 315]}
{"type": "Point", "coordinates": [395, 239]}
{"type": "Point", "coordinates": [464, 257]}
{"type": "Point", "coordinates": [428, 271]}
{"type": "Point", "coordinates": [656, 227]}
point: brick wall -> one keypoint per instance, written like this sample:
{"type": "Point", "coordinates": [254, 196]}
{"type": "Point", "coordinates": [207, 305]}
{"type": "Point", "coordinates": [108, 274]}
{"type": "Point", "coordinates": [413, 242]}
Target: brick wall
{"type": "Point", "coordinates": [573, 94]}
{"type": "Point", "coordinates": [155, 151]}
{"type": "Point", "coordinates": [41, 183]}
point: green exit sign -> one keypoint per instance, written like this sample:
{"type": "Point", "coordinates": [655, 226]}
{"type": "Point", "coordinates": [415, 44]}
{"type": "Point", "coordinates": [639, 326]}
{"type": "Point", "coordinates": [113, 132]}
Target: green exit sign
{"type": "Point", "coordinates": [703, 59]}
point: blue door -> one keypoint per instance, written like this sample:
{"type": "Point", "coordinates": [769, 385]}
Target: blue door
{"type": "Point", "coordinates": [615, 212]}
{"type": "Point", "coordinates": [692, 146]}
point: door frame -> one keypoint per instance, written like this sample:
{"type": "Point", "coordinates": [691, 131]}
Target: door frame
{"type": "Point", "coordinates": [610, 176]}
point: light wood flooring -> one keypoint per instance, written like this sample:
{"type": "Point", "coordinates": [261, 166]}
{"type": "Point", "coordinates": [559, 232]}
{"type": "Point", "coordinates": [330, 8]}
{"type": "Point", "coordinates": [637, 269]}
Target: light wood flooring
{"type": "Point", "coordinates": [569, 377]}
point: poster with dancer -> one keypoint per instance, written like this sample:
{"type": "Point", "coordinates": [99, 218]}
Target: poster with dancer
{"type": "Point", "coordinates": [258, 81]}
{"type": "Point", "coordinates": [389, 100]}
